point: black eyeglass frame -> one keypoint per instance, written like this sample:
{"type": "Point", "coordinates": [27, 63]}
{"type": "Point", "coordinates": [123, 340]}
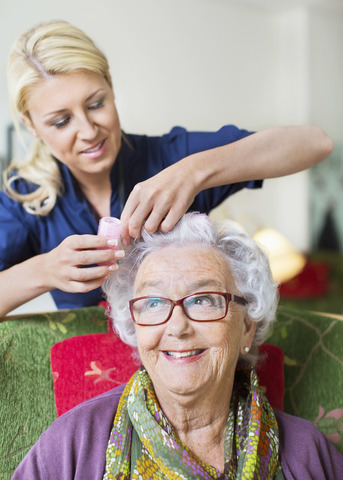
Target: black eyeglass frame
{"type": "Point", "coordinates": [229, 297]}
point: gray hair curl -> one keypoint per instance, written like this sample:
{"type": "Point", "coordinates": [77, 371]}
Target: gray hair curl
{"type": "Point", "coordinates": [247, 261]}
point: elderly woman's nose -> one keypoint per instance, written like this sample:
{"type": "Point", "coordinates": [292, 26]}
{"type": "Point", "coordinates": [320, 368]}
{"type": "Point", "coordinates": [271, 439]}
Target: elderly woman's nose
{"type": "Point", "coordinates": [179, 323]}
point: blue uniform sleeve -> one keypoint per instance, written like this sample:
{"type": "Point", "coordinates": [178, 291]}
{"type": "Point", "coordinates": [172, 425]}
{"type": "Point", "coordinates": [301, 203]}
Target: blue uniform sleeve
{"type": "Point", "coordinates": [206, 200]}
{"type": "Point", "coordinates": [180, 143]}
{"type": "Point", "coordinates": [18, 235]}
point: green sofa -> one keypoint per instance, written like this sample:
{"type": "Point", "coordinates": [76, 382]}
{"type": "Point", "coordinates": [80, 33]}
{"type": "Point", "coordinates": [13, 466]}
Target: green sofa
{"type": "Point", "coordinates": [313, 369]}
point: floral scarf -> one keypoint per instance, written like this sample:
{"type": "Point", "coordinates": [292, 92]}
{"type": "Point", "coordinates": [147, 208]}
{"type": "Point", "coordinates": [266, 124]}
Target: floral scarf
{"type": "Point", "coordinates": [143, 445]}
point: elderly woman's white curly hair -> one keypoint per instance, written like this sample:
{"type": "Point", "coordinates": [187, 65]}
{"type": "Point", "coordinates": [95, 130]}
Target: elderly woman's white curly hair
{"type": "Point", "coordinates": [245, 258]}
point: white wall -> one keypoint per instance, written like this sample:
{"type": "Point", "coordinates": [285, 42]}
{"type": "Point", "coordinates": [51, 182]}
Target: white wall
{"type": "Point", "coordinates": [326, 33]}
{"type": "Point", "coordinates": [283, 202]}
{"type": "Point", "coordinates": [203, 63]}
{"type": "Point", "coordinates": [199, 63]}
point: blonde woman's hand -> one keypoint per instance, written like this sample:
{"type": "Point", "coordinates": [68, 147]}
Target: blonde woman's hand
{"type": "Point", "coordinates": [81, 263]}
{"type": "Point", "coordinates": [160, 201]}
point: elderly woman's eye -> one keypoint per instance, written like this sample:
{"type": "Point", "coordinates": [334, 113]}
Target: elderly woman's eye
{"type": "Point", "coordinates": [204, 301]}
{"type": "Point", "coordinates": [154, 303]}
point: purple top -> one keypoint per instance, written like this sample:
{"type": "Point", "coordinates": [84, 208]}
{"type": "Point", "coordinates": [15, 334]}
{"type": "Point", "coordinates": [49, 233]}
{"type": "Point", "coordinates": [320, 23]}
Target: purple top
{"type": "Point", "coordinates": [74, 446]}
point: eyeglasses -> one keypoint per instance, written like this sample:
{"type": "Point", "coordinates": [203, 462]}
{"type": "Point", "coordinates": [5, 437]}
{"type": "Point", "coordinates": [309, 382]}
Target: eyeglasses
{"type": "Point", "coordinates": [200, 307]}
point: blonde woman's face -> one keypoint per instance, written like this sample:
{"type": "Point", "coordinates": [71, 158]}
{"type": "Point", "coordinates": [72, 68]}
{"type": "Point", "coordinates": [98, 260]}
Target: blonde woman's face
{"type": "Point", "coordinates": [76, 117]}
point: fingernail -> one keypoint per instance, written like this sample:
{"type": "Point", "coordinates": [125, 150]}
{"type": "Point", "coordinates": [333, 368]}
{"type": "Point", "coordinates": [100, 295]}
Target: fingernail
{"type": "Point", "coordinates": [113, 267]}
{"type": "Point", "coordinates": [125, 242]}
{"type": "Point", "coordinates": [112, 242]}
{"type": "Point", "coordinates": [119, 254]}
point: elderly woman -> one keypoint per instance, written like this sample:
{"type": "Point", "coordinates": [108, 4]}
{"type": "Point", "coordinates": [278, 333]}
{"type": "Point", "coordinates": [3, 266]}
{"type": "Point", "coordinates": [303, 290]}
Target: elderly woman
{"type": "Point", "coordinates": [196, 301]}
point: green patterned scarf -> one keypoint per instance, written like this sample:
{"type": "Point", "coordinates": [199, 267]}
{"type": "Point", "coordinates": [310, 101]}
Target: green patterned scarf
{"type": "Point", "coordinates": [143, 445]}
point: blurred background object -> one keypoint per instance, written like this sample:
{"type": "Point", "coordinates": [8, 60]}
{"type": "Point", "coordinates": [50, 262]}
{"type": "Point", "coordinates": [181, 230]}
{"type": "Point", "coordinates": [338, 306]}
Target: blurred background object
{"type": "Point", "coordinates": [285, 261]}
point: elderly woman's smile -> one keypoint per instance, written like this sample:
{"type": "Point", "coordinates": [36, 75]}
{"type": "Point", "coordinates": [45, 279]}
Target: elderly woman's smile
{"type": "Point", "coordinates": [182, 356]}
{"type": "Point", "coordinates": [187, 354]}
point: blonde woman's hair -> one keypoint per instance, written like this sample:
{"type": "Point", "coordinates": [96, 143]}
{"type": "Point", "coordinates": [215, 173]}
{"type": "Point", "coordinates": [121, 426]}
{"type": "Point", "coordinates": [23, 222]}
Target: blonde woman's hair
{"type": "Point", "coordinates": [49, 48]}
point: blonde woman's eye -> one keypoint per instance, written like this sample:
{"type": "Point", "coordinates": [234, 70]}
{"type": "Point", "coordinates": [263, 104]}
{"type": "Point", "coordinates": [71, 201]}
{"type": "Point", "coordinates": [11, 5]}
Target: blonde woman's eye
{"type": "Point", "coordinates": [96, 105]}
{"type": "Point", "coordinates": [60, 123]}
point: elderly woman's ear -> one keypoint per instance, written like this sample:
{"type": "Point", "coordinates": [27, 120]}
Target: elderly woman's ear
{"type": "Point", "coordinates": [248, 335]}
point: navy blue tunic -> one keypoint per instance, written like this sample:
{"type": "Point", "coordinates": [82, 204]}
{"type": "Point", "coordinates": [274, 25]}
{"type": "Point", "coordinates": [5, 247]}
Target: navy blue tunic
{"type": "Point", "coordinates": [23, 235]}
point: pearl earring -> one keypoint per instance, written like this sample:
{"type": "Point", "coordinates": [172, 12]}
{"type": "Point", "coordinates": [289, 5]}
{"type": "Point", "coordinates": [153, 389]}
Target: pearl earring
{"type": "Point", "coordinates": [246, 349]}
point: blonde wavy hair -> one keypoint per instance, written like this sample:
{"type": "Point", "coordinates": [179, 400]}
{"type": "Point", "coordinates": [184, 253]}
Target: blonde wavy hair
{"type": "Point", "coordinates": [50, 48]}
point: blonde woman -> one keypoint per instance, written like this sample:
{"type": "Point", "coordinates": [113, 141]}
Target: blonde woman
{"type": "Point", "coordinates": [82, 166]}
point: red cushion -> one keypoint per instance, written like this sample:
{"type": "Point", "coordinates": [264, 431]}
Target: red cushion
{"type": "Point", "coordinates": [312, 281]}
{"type": "Point", "coordinates": [87, 365]}
{"type": "Point", "coordinates": [269, 369]}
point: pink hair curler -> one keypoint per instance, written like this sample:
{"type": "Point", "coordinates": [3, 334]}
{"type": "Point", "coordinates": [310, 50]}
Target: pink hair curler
{"type": "Point", "coordinates": [109, 227]}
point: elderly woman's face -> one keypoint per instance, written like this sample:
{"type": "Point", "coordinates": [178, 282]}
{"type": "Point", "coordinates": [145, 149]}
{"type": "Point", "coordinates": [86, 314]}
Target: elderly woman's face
{"type": "Point", "coordinates": [184, 357]}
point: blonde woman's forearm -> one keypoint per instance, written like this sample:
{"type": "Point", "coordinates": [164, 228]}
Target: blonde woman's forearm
{"type": "Point", "coordinates": [270, 153]}
{"type": "Point", "coordinates": [20, 284]}
{"type": "Point", "coordinates": [62, 268]}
